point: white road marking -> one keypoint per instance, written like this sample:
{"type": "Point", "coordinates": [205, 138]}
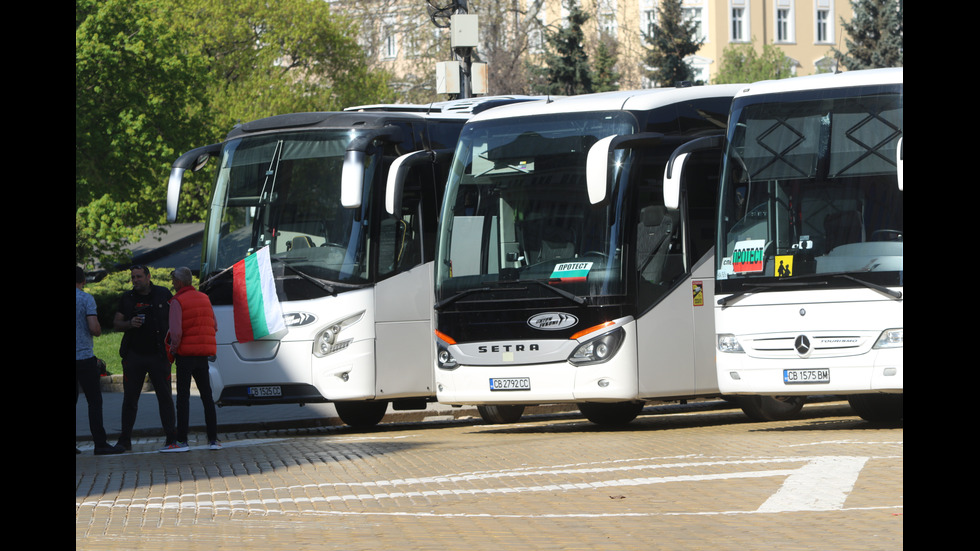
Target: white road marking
{"type": "Point", "coordinates": [822, 483]}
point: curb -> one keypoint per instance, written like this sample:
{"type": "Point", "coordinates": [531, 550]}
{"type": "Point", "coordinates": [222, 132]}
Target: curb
{"type": "Point", "coordinates": [114, 383]}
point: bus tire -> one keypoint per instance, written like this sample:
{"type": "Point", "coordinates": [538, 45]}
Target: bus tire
{"type": "Point", "coordinates": [771, 408]}
{"type": "Point", "coordinates": [361, 414]}
{"type": "Point", "coordinates": [611, 414]}
{"type": "Point", "coordinates": [879, 408]}
{"type": "Point", "coordinates": [501, 414]}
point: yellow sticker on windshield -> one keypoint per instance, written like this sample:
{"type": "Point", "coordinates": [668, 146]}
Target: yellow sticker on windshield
{"type": "Point", "coordinates": [784, 265]}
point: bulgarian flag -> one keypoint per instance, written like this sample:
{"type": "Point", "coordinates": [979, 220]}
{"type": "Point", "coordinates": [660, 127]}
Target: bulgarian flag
{"type": "Point", "coordinates": [256, 306]}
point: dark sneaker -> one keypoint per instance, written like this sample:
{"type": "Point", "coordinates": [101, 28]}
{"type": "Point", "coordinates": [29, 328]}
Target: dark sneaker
{"type": "Point", "coordinates": [214, 445]}
{"type": "Point", "coordinates": [175, 447]}
{"type": "Point", "coordinates": [125, 444]}
{"type": "Point", "coordinates": [109, 450]}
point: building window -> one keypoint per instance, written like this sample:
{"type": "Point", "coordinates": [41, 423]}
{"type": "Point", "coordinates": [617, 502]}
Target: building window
{"type": "Point", "coordinates": [648, 21]}
{"type": "Point", "coordinates": [695, 15]}
{"type": "Point", "coordinates": [823, 22]}
{"type": "Point", "coordinates": [608, 23]}
{"type": "Point", "coordinates": [390, 42]}
{"type": "Point", "coordinates": [738, 24]}
{"type": "Point", "coordinates": [784, 21]}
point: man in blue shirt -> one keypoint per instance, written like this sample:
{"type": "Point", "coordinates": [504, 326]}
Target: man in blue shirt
{"type": "Point", "coordinates": [86, 367]}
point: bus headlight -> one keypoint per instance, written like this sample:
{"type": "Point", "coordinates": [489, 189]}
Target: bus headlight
{"type": "Point", "coordinates": [444, 358]}
{"type": "Point", "coordinates": [891, 338]}
{"type": "Point", "coordinates": [328, 340]}
{"type": "Point", "coordinates": [728, 343]}
{"type": "Point", "coordinates": [599, 349]}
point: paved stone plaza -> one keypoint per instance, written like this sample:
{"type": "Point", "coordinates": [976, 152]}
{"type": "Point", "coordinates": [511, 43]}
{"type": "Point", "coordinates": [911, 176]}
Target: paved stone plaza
{"type": "Point", "coordinates": [678, 477]}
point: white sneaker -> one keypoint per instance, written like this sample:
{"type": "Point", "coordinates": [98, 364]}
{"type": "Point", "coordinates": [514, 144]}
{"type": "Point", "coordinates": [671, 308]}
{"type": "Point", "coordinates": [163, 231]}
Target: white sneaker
{"type": "Point", "coordinates": [214, 445]}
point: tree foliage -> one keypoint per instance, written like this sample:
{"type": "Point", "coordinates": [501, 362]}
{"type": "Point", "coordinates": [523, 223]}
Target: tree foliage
{"type": "Point", "coordinates": [672, 40]}
{"type": "Point", "coordinates": [137, 104]}
{"type": "Point", "coordinates": [155, 78]}
{"type": "Point", "coordinates": [605, 75]}
{"type": "Point", "coordinates": [875, 35]}
{"type": "Point", "coordinates": [270, 58]}
{"type": "Point", "coordinates": [741, 63]}
{"type": "Point", "coordinates": [566, 68]}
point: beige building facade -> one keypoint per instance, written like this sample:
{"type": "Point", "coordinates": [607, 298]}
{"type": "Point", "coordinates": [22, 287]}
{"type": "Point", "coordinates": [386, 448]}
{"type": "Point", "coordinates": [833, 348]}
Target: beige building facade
{"type": "Point", "coordinates": [401, 36]}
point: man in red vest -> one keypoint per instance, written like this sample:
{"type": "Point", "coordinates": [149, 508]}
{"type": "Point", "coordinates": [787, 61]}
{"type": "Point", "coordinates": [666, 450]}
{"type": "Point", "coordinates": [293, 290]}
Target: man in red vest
{"type": "Point", "coordinates": [191, 342]}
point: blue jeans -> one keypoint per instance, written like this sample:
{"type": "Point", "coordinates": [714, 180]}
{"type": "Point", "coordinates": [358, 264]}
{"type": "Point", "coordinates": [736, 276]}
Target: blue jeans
{"type": "Point", "coordinates": [196, 367]}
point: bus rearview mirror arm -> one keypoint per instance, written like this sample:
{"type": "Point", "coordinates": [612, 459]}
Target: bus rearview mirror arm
{"type": "Point", "coordinates": [674, 170]}
{"type": "Point", "coordinates": [194, 160]}
{"type": "Point", "coordinates": [398, 171]}
{"type": "Point", "coordinates": [352, 175]}
{"type": "Point", "coordinates": [597, 162]}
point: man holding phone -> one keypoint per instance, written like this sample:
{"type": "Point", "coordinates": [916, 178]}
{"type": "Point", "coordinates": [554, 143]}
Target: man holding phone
{"type": "Point", "coordinates": [144, 315]}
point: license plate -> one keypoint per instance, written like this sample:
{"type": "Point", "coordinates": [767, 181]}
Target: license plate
{"type": "Point", "coordinates": [264, 391]}
{"type": "Point", "coordinates": [511, 383]}
{"type": "Point", "coordinates": [806, 376]}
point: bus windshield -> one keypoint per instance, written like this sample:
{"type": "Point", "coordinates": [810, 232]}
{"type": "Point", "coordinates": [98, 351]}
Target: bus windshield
{"type": "Point", "coordinates": [517, 211]}
{"type": "Point", "coordinates": [283, 191]}
{"type": "Point", "coordinates": [810, 188]}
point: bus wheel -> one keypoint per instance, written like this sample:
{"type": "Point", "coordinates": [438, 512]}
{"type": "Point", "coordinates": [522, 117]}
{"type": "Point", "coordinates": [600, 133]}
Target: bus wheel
{"type": "Point", "coordinates": [610, 414]}
{"type": "Point", "coordinates": [881, 408]}
{"type": "Point", "coordinates": [361, 414]}
{"type": "Point", "coordinates": [498, 415]}
{"type": "Point", "coordinates": [771, 408]}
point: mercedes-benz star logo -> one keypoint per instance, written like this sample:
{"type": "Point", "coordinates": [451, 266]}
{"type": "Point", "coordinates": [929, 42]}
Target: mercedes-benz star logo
{"type": "Point", "coordinates": [802, 345]}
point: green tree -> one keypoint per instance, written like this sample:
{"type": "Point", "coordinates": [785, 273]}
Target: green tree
{"type": "Point", "coordinates": [605, 75]}
{"type": "Point", "coordinates": [270, 58]}
{"type": "Point", "coordinates": [672, 40]}
{"type": "Point", "coordinates": [155, 78]}
{"type": "Point", "coordinates": [741, 63]}
{"type": "Point", "coordinates": [138, 103]}
{"type": "Point", "coordinates": [566, 68]}
{"type": "Point", "coordinates": [875, 35]}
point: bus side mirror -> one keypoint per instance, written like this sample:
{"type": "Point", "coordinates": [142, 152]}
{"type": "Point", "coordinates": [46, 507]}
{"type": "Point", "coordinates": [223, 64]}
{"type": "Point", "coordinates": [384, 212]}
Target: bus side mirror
{"type": "Point", "coordinates": [900, 164]}
{"type": "Point", "coordinates": [398, 171]}
{"type": "Point", "coordinates": [352, 179]}
{"type": "Point", "coordinates": [194, 160]}
{"type": "Point", "coordinates": [674, 170]}
{"type": "Point", "coordinates": [352, 174]}
{"type": "Point", "coordinates": [597, 161]}
{"type": "Point", "coordinates": [597, 170]}
{"type": "Point", "coordinates": [672, 181]}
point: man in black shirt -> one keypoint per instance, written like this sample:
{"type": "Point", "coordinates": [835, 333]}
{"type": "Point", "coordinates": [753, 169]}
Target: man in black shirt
{"type": "Point", "coordinates": [144, 314]}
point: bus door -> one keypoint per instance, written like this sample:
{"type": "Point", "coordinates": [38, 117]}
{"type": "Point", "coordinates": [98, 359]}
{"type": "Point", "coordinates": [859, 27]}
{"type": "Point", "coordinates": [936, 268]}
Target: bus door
{"type": "Point", "coordinates": [404, 294]}
{"type": "Point", "coordinates": [674, 273]}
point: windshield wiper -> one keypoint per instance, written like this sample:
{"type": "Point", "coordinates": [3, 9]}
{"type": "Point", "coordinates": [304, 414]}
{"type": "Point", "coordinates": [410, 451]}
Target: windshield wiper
{"type": "Point", "coordinates": [874, 286]}
{"type": "Point", "coordinates": [574, 298]}
{"type": "Point", "coordinates": [328, 287]}
{"type": "Point", "coordinates": [758, 288]}
{"type": "Point", "coordinates": [318, 282]}
{"type": "Point", "coordinates": [806, 281]}
{"type": "Point", "coordinates": [462, 294]}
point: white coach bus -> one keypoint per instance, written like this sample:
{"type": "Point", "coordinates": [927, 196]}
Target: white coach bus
{"type": "Point", "coordinates": [809, 284]}
{"type": "Point", "coordinates": [561, 276]}
{"type": "Point", "coordinates": [351, 253]}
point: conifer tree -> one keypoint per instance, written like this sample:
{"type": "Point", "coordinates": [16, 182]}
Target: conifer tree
{"type": "Point", "coordinates": [672, 40]}
{"type": "Point", "coordinates": [874, 35]}
{"type": "Point", "coordinates": [605, 75]}
{"type": "Point", "coordinates": [567, 71]}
